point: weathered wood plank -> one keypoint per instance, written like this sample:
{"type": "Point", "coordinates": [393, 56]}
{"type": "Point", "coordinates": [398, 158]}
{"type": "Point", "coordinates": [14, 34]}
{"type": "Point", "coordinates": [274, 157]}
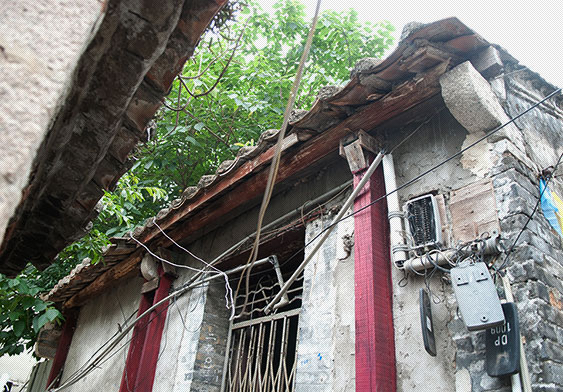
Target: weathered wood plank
{"type": "Point", "coordinates": [107, 279]}
{"type": "Point", "coordinates": [473, 210]}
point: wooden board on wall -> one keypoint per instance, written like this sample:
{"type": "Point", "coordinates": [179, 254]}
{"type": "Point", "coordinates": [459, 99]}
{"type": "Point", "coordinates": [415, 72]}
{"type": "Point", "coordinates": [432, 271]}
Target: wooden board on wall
{"type": "Point", "coordinates": [473, 210]}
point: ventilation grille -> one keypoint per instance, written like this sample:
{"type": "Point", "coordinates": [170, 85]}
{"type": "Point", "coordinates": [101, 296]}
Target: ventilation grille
{"type": "Point", "coordinates": [423, 221]}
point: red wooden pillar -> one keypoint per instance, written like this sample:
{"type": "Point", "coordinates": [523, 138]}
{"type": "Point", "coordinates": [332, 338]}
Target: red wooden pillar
{"type": "Point", "coordinates": [62, 349]}
{"type": "Point", "coordinates": [136, 346]}
{"type": "Point", "coordinates": [375, 341]}
{"type": "Point", "coordinates": [151, 347]}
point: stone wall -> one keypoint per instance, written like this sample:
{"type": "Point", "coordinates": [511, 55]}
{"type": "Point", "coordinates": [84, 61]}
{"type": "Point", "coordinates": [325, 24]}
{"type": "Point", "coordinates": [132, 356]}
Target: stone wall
{"type": "Point", "coordinates": [517, 156]}
{"type": "Point", "coordinates": [40, 44]}
{"type": "Point", "coordinates": [536, 265]}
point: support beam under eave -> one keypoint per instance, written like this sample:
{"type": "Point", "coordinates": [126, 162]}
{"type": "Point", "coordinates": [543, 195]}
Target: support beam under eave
{"type": "Point", "coordinates": [375, 340]}
{"type": "Point", "coordinates": [155, 327]}
{"type": "Point", "coordinates": [136, 346]}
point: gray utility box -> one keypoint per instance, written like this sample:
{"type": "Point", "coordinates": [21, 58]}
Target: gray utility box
{"type": "Point", "coordinates": [477, 296]}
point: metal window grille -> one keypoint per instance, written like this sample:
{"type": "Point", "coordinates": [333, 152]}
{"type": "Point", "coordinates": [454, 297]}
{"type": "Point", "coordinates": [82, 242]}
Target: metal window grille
{"type": "Point", "coordinates": [263, 349]}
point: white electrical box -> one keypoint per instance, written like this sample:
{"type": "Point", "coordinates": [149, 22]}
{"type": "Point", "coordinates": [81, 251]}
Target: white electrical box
{"type": "Point", "coordinates": [423, 223]}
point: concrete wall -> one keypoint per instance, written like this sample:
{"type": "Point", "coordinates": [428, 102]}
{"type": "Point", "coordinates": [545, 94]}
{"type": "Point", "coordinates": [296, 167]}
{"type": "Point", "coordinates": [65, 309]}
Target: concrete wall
{"type": "Point", "coordinates": [325, 352]}
{"type": "Point", "coordinates": [97, 322]}
{"type": "Point", "coordinates": [40, 44]}
{"type": "Point", "coordinates": [442, 137]}
{"type": "Point", "coordinates": [174, 370]}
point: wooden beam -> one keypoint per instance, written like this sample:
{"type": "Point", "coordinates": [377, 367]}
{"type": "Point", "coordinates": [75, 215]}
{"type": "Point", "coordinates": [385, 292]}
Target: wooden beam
{"type": "Point", "coordinates": [151, 347]}
{"type": "Point", "coordinates": [375, 341]}
{"type": "Point", "coordinates": [107, 279]}
{"type": "Point", "coordinates": [236, 189]}
{"type": "Point", "coordinates": [136, 346]}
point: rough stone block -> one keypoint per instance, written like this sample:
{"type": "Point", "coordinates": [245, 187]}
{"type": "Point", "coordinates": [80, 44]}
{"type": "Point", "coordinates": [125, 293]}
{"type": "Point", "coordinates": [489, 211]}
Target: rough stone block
{"type": "Point", "coordinates": [552, 351]}
{"type": "Point", "coordinates": [488, 383]}
{"type": "Point", "coordinates": [471, 100]}
{"type": "Point", "coordinates": [464, 344]}
{"type": "Point", "coordinates": [552, 372]}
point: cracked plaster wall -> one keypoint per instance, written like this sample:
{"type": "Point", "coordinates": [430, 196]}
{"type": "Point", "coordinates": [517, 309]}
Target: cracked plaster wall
{"type": "Point", "coordinates": [512, 159]}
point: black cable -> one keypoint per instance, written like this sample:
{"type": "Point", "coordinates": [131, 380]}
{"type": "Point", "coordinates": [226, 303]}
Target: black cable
{"type": "Point", "coordinates": [508, 253]}
{"type": "Point", "coordinates": [116, 350]}
{"type": "Point", "coordinates": [415, 179]}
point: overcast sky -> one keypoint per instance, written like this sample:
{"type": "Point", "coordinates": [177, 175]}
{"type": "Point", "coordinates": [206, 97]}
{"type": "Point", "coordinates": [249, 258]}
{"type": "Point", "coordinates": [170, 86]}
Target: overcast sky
{"type": "Point", "coordinates": [530, 31]}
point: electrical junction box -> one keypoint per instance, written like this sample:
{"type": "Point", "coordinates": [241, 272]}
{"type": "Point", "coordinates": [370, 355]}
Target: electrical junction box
{"type": "Point", "coordinates": [422, 220]}
{"type": "Point", "coordinates": [476, 296]}
{"type": "Point", "coordinates": [503, 345]}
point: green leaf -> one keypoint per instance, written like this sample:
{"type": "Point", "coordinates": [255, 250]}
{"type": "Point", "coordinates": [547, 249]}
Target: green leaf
{"type": "Point", "coordinates": [39, 306]}
{"type": "Point", "coordinates": [19, 327]}
{"type": "Point", "coordinates": [39, 322]}
{"type": "Point", "coordinates": [52, 314]}
{"type": "Point", "coordinates": [199, 126]}
{"type": "Point", "coordinates": [13, 283]}
{"type": "Point", "coordinates": [15, 314]}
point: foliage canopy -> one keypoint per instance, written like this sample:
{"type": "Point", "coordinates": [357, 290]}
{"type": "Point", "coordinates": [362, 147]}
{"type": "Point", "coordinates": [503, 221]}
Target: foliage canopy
{"type": "Point", "coordinates": [234, 87]}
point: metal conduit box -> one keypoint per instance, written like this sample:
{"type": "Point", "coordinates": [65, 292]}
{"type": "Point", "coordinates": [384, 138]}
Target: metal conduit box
{"type": "Point", "coordinates": [422, 220]}
{"type": "Point", "coordinates": [477, 296]}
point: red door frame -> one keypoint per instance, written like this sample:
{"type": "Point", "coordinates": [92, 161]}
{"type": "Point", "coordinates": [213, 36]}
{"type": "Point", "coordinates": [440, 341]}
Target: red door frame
{"type": "Point", "coordinates": [375, 338]}
{"type": "Point", "coordinates": [136, 346]}
{"type": "Point", "coordinates": [142, 358]}
{"type": "Point", "coordinates": [62, 348]}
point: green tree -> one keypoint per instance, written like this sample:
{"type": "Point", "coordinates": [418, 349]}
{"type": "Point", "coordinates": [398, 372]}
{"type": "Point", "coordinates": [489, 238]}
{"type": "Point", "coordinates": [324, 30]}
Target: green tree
{"type": "Point", "coordinates": [234, 88]}
{"type": "Point", "coordinates": [237, 84]}
{"type": "Point", "coordinates": [22, 314]}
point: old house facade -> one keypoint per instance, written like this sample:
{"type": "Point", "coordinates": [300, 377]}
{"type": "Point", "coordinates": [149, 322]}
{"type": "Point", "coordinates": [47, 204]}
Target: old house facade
{"type": "Point", "coordinates": [457, 186]}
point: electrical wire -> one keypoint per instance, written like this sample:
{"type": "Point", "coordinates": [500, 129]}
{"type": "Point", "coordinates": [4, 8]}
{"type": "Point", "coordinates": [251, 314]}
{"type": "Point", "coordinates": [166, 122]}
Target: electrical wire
{"type": "Point", "coordinates": [277, 154]}
{"type": "Point", "coordinates": [94, 361]}
{"type": "Point", "coordinates": [228, 289]}
{"type": "Point", "coordinates": [417, 178]}
{"type": "Point", "coordinates": [509, 252]}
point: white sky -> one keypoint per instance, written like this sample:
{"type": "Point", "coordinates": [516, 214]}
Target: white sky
{"type": "Point", "coordinates": [530, 31]}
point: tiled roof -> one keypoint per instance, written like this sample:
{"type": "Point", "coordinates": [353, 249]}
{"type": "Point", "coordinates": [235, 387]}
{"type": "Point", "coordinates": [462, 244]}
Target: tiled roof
{"type": "Point", "coordinates": [426, 46]}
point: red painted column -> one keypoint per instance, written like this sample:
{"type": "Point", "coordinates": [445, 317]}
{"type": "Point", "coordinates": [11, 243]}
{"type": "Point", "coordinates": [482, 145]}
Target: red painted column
{"type": "Point", "coordinates": [136, 346]}
{"type": "Point", "coordinates": [62, 349]}
{"type": "Point", "coordinates": [375, 341]}
{"type": "Point", "coordinates": [151, 348]}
